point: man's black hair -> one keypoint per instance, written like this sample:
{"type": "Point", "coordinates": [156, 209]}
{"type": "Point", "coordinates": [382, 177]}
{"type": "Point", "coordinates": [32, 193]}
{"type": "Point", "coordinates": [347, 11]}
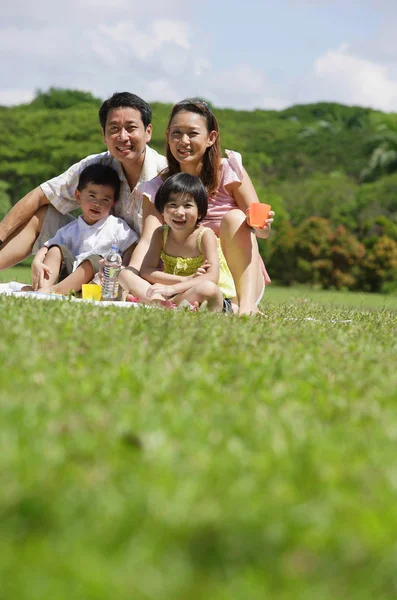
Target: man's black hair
{"type": "Point", "coordinates": [125, 100]}
{"type": "Point", "coordinates": [99, 174]}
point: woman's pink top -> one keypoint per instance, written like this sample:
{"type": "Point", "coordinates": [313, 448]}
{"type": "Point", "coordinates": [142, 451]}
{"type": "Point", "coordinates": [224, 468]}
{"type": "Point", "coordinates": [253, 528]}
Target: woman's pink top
{"type": "Point", "coordinates": [220, 203]}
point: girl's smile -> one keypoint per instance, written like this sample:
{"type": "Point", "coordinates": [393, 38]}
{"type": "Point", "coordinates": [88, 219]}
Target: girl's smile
{"type": "Point", "coordinates": [181, 212]}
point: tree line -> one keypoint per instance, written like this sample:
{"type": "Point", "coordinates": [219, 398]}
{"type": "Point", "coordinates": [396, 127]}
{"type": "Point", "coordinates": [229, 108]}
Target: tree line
{"type": "Point", "coordinates": [329, 171]}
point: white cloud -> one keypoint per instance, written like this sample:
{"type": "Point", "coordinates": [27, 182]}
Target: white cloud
{"type": "Point", "coordinates": [77, 12]}
{"type": "Point", "coordinates": [102, 57]}
{"type": "Point", "coordinates": [128, 37]}
{"type": "Point", "coordinates": [111, 45]}
{"type": "Point", "coordinates": [243, 86]}
{"type": "Point", "coordinates": [24, 43]}
{"type": "Point", "coordinates": [177, 32]}
{"type": "Point", "coordinates": [15, 96]}
{"type": "Point", "coordinates": [349, 79]}
{"type": "Point", "coordinates": [161, 88]}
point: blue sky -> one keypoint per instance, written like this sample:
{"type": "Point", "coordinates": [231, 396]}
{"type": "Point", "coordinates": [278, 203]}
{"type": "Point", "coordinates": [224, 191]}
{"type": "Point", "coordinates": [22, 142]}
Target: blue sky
{"type": "Point", "coordinates": [238, 53]}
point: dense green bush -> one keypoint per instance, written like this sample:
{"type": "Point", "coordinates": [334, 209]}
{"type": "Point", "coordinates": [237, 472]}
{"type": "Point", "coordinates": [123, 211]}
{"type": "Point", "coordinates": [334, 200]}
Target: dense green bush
{"type": "Point", "coordinates": [328, 195]}
{"type": "Point", "coordinates": [315, 252]}
{"type": "Point", "coordinates": [5, 202]}
{"type": "Point", "coordinates": [63, 98]}
{"type": "Point", "coordinates": [377, 199]}
{"type": "Point", "coordinates": [327, 256]}
{"type": "Point", "coordinates": [379, 267]}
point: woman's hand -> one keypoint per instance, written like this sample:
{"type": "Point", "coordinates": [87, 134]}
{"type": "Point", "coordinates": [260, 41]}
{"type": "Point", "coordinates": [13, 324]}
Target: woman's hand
{"type": "Point", "coordinates": [263, 232]}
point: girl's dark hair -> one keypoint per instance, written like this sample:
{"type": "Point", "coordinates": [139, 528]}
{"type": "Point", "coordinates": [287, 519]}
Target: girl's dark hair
{"type": "Point", "coordinates": [99, 174]}
{"type": "Point", "coordinates": [187, 185]}
{"type": "Point", "coordinates": [212, 158]}
{"type": "Point", "coordinates": [125, 100]}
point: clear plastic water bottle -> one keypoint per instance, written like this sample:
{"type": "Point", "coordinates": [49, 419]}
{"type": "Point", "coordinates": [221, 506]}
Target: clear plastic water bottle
{"type": "Point", "coordinates": [111, 270]}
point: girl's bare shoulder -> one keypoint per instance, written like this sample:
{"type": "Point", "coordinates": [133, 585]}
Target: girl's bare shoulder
{"type": "Point", "coordinates": [207, 236]}
{"type": "Point", "coordinates": [207, 233]}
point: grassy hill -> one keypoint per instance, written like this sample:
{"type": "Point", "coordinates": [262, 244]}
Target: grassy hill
{"type": "Point", "coordinates": [248, 458]}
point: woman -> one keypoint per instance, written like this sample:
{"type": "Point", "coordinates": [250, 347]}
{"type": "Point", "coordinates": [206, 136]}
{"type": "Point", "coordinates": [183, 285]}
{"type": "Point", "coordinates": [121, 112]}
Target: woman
{"type": "Point", "coordinates": [193, 146]}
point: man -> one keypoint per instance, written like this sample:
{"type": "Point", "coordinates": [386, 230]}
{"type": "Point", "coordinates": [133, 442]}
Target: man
{"type": "Point", "coordinates": [126, 125]}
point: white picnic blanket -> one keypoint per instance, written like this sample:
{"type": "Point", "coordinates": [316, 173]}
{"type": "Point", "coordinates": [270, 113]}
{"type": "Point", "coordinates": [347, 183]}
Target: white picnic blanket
{"type": "Point", "coordinates": [13, 288]}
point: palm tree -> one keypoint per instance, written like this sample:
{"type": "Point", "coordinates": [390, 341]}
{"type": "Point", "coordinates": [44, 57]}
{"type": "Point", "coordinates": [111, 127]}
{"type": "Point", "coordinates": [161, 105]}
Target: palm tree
{"type": "Point", "coordinates": [383, 157]}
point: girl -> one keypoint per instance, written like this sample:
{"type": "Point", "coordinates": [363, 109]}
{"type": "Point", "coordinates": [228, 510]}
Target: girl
{"type": "Point", "coordinates": [184, 247]}
{"type": "Point", "coordinates": [193, 146]}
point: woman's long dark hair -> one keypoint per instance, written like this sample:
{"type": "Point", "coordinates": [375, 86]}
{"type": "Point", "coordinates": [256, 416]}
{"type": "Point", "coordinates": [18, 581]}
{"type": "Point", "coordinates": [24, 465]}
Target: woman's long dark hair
{"type": "Point", "coordinates": [210, 172]}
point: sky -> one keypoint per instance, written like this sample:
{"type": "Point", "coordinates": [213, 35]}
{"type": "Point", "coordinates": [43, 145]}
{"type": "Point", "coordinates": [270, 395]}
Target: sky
{"type": "Point", "coordinates": [243, 54]}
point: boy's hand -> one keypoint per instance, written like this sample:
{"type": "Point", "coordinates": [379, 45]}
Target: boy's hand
{"type": "Point", "coordinates": [40, 272]}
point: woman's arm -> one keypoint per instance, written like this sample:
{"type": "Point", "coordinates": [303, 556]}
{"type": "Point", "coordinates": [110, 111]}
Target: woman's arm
{"type": "Point", "coordinates": [244, 194]}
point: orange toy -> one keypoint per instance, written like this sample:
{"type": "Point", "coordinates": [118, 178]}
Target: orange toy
{"type": "Point", "coordinates": [257, 214]}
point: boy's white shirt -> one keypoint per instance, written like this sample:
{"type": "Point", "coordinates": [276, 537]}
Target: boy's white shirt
{"type": "Point", "coordinates": [83, 240]}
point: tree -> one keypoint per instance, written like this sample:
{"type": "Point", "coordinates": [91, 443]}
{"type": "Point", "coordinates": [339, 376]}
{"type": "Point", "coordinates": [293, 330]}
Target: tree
{"type": "Point", "coordinates": [63, 98]}
{"type": "Point", "coordinates": [328, 195]}
{"type": "Point", "coordinates": [383, 155]}
{"type": "Point", "coordinates": [326, 256]}
{"type": "Point", "coordinates": [312, 247]}
{"type": "Point", "coordinates": [5, 200]}
{"type": "Point", "coordinates": [281, 256]}
{"type": "Point", "coordinates": [377, 199]}
{"type": "Point", "coordinates": [379, 267]}
{"type": "Point", "coordinates": [346, 254]}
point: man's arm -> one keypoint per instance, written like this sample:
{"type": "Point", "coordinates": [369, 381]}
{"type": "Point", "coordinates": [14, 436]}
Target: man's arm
{"type": "Point", "coordinates": [22, 212]}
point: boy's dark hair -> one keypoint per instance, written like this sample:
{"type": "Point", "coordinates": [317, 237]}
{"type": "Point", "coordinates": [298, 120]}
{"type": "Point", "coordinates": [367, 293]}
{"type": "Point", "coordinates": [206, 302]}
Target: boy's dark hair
{"type": "Point", "coordinates": [100, 175]}
{"type": "Point", "coordinates": [125, 100]}
{"type": "Point", "coordinates": [188, 185]}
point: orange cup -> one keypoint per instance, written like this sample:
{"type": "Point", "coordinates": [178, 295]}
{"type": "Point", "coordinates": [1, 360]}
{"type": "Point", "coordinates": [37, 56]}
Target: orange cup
{"type": "Point", "coordinates": [257, 214]}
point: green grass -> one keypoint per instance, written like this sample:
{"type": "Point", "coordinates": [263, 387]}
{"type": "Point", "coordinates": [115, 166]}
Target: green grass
{"type": "Point", "coordinates": [164, 455]}
{"type": "Point", "coordinates": [21, 273]}
{"type": "Point", "coordinates": [358, 300]}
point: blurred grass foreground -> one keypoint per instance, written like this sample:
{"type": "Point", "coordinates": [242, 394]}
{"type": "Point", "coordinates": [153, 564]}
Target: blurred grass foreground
{"type": "Point", "coordinates": [165, 455]}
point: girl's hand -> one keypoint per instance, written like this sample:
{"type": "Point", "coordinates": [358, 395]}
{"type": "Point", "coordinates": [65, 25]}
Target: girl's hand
{"type": "Point", "coordinates": [159, 289]}
{"type": "Point", "coordinates": [263, 232]}
{"type": "Point", "coordinates": [203, 269]}
{"type": "Point", "coordinates": [40, 272]}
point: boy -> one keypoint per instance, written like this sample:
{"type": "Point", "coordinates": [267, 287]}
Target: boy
{"type": "Point", "coordinates": [72, 256]}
